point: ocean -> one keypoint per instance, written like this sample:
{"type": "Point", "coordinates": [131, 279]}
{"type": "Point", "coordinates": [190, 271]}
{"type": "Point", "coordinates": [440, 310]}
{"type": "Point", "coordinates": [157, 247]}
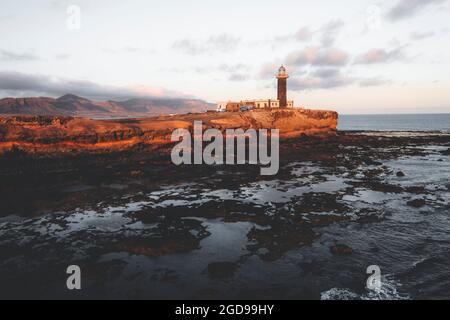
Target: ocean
{"type": "Point", "coordinates": [395, 122]}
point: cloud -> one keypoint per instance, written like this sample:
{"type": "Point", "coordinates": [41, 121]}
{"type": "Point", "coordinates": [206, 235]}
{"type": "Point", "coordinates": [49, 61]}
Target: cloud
{"type": "Point", "coordinates": [372, 82]}
{"type": "Point", "coordinates": [406, 8]}
{"type": "Point", "coordinates": [238, 77]}
{"type": "Point", "coordinates": [222, 42]}
{"type": "Point", "coordinates": [303, 34]}
{"type": "Point", "coordinates": [236, 72]}
{"type": "Point", "coordinates": [233, 72]}
{"type": "Point", "coordinates": [419, 35]}
{"type": "Point", "coordinates": [315, 80]}
{"type": "Point", "coordinates": [318, 83]}
{"type": "Point", "coordinates": [62, 56]}
{"type": "Point", "coordinates": [326, 72]}
{"type": "Point", "coordinates": [21, 84]}
{"type": "Point", "coordinates": [330, 31]}
{"type": "Point", "coordinates": [318, 57]}
{"type": "Point", "coordinates": [13, 56]}
{"type": "Point", "coordinates": [239, 67]}
{"type": "Point", "coordinates": [216, 43]}
{"type": "Point", "coordinates": [268, 70]}
{"type": "Point", "coordinates": [128, 49]}
{"type": "Point", "coordinates": [188, 46]}
{"type": "Point", "coordinates": [374, 56]}
{"type": "Point", "coordinates": [330, 78]}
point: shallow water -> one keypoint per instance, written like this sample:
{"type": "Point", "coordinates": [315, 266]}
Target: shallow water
{"type": "Point", "coordinates": [268, 238]}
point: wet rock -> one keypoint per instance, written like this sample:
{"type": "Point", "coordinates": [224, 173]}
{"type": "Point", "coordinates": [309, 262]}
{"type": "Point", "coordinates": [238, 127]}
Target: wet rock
{"type": "Point", "coordinates": [371, 162]}
{"type": "Point", "coordinates": [157, 248]}
{"type": "Point", "coordinates": [221, 269]}
{"type": "Point", "coordinates": [416, 203]}
{"type": "Point", "coordinates": [374, 173]}
{"type": "Point", "coordinates": [383, 187]}
{"type": "Point", "coordinates": [320, 202]}
{"type": "Point", "coordinates": [136, 173]}
{"type": "Point", "coordinates": [324, 220]}
{"type": "Point", "coordinates": [416, 189]}
{"type": "Point", "coordinates": [341, 249]}
{"type": "Point", "coordinates": [284, 235]}
{"type": "Point", "coordinates": [400, 174]}
{"type": "Point", "coordinates": [164, 275]}
{"type": "Point", "coordinates": [172, 236]}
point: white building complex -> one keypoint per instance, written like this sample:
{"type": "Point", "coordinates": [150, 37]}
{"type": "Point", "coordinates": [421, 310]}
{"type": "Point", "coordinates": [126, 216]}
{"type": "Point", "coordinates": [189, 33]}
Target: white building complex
{"type": "Point", "coordinates": [244, 105]}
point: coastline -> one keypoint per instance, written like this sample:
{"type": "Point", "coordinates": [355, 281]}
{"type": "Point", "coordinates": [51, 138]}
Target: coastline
{"type": "Point", "coordinates": [333, 206]}
{"type": "Point", "coordinates": [329, 208]}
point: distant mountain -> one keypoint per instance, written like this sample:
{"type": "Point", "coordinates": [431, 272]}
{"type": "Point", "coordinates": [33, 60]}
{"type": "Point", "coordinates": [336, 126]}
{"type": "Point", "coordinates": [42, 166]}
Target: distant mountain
{"type": "Point", "coordinates": [29, 106]}
{"type": "Point", "coordinates": [72, 105]}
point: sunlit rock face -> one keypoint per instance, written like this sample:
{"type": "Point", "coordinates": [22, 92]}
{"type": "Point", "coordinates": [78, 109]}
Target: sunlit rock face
{"type": "Point", "coordinates": [42, 134]}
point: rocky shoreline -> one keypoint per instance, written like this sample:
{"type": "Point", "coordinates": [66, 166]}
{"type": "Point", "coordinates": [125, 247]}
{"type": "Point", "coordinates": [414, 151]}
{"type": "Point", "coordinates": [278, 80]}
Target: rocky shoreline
{"type": "Point", "coordinates": [198, 229]}
{"type": "Point", "coordinates": [42, 175]}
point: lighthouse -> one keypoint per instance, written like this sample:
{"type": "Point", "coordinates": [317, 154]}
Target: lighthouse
{"type": "Point", "coordinates": [282, 87]}
{"type": "Point", "coordinates": [246, 105]}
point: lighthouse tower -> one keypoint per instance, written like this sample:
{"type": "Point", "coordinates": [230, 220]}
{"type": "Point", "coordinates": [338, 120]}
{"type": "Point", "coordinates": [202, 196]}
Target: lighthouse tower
{"type": "Point", "coordinates": [282, 86]}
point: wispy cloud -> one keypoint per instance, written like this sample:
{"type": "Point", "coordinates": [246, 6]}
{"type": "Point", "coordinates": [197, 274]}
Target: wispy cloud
{"type": "Point", "coordinates": [317, 56]}
{"type": "Point", "coordinates": [407, 8]}
{"type": "Point", "coordinates": [419, 35]}
{"type": "Point", "coordinates": [303, 34]}
{"type": "Point", "coordinates": [15, 56]}
{"type": "Point", "coordinates": [238, 77]}
{"type": "Point", "coordinates": [21, 84]}
{"type": "Point", "coordinates": [330, 32]}
{"type": "Point", "coordinates": [216, 43]}
{"type": "Point", "coordinates": [330, 78]}
{"type": "Point", "coordinates": [268, 70]}
{"type": "Point", "coordinates": [311, 82]}
{"type": "Point", "coordinates": [374, 56]}
{"type": "Point", "coordinates": [236, 72]}
{"type": "Point", "coordinates": [62, 56]}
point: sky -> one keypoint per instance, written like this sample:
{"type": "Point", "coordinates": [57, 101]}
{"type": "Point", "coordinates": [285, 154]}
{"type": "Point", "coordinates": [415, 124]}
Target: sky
{"type": "Point", "coordinates": [352, 56]}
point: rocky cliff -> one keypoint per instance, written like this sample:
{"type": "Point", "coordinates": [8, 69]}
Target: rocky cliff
{"type": "Point", "coordinates": [62, 134]}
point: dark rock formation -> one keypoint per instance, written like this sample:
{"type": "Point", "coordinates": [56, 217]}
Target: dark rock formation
{"type": "Point", "coordinates": [416, 203]}
{"type": "Point", "coordinates": [341, 249]}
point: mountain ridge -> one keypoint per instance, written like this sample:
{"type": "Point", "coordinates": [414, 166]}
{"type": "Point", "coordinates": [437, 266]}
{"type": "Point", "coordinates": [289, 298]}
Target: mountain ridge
{"type": "Point", "coordinates": [73, 105]}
